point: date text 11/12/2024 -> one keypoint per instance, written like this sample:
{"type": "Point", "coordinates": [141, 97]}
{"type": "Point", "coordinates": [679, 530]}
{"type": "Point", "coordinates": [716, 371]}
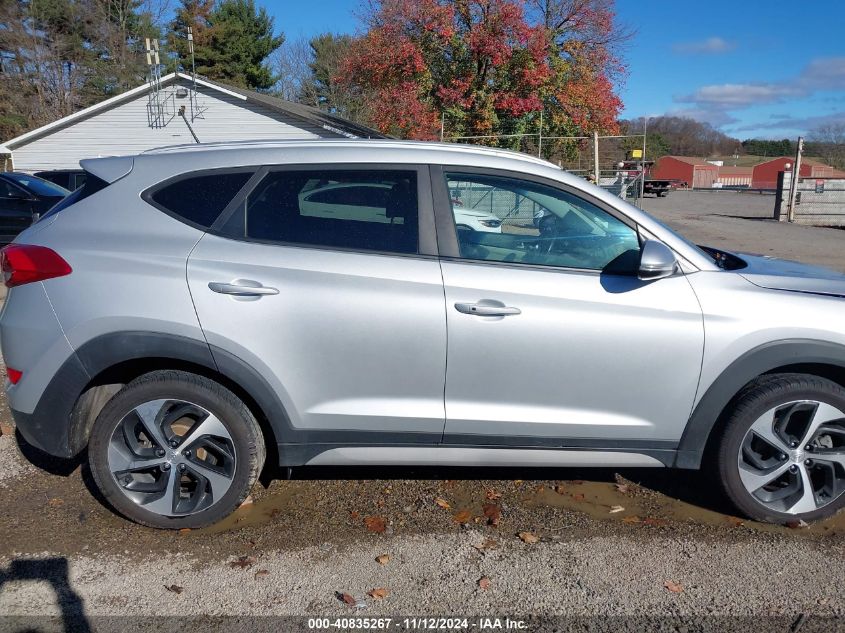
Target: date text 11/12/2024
{"type": "Point", "coordinates": [417, 624]}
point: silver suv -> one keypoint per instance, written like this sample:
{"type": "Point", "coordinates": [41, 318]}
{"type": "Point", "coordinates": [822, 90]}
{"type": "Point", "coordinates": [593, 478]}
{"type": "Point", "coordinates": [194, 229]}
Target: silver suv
{"type": "Point", "coordinates": [193, 310]}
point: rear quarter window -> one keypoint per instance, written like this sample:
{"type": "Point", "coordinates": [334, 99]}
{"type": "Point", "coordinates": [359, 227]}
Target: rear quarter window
{"type": "Point", "coordinates": [199, 198]}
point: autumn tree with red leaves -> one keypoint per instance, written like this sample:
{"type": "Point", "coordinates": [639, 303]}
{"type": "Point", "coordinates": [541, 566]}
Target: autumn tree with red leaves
{"type": "Point", "coordinates": [490, 65]}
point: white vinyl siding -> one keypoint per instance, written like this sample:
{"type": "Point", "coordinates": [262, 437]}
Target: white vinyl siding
{"type": "Point", "coordinates": [125, 129]}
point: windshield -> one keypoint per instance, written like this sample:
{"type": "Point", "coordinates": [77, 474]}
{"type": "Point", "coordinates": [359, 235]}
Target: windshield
{"type": "Point", "coordinates": [38, 186]}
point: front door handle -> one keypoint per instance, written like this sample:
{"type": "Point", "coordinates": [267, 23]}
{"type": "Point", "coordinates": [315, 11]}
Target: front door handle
{"type": "Point", "coordinates": [242, 288]}
{"type": "Point", "coordinates": [483, 309]}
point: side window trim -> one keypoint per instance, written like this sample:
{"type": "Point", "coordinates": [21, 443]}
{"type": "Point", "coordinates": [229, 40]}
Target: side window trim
{"type": "Point", "coordinates": [239, 199]}
{"type": "Point", "coordinates": [447, 237]}
{"type": "Point", "coordinates": [427, 239]}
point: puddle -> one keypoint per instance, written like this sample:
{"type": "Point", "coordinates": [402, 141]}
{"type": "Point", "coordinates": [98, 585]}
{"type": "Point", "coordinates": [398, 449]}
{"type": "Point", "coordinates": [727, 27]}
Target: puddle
{"type": "Point", "coordinates": [266, 509]}
{"type": "Point", "coordinates": [603, 500]}
{"type": "Point", "coordinates": [469, 501]}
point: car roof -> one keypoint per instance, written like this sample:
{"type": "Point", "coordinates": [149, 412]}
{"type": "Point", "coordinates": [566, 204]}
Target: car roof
{"type": "Point", "coordinates": [368, 146]}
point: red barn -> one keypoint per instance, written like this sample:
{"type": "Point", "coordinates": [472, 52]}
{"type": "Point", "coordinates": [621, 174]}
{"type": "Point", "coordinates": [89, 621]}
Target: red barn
{"type": "Point", "coordinates": [695, 172]}
{"type": "Point", "coordinates": [765, 175]}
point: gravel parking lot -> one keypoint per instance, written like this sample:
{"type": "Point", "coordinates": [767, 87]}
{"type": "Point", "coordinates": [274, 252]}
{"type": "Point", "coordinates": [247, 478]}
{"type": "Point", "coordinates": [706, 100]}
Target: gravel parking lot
{"type": "Point", "coordinates": [596, 548]}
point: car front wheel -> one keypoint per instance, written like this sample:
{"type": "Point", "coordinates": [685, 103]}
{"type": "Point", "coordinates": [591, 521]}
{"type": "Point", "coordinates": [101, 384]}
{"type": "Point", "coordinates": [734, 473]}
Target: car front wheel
{"type": "Point", "coordinates": [175, 450]}
{"type": "Point", "coordinates": [782, 456]}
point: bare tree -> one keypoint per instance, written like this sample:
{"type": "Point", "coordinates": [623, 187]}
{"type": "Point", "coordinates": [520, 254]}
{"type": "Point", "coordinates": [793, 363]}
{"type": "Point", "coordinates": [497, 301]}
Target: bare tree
{"type": "Point", "coordinates": [828, 142]}
{"type": "Point", "coordinates": [291, 63]}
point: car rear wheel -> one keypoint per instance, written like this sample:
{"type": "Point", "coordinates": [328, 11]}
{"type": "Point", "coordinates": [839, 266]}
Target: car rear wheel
{"type": "Point", "coordinates": [175, 450]}
{"type": "Point", "coordinates": [782, 456]}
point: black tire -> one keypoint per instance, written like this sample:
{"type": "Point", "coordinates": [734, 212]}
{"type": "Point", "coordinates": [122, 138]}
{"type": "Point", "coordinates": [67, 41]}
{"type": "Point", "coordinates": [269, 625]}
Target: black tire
{"type": "Point", "coordinates": [765, 394]}
{"type": "Point", "coordinates": [242, 427]}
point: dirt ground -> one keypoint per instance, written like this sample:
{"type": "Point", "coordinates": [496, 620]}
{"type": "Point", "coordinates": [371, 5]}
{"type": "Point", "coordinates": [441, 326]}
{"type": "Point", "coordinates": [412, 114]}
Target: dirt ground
{"type": "Point", "coordinates": [556, 549]}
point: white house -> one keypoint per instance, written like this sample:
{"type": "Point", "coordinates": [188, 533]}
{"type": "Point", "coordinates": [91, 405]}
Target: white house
{"type": "Point", "coordinates": [144, 118]}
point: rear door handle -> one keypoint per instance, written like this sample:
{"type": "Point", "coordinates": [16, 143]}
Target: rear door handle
{"type": "Point", "coordinates": [242, 288]}
{"type": "Point", "coordinates": [483, 309]}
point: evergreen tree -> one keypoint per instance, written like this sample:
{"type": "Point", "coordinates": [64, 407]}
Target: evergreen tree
{"type": "Point", "coordinates": [232, 41]}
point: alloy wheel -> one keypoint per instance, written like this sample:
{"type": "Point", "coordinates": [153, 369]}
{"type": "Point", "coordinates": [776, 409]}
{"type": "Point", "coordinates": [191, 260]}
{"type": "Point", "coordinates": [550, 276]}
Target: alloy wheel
{"type": "Point", "coordinates": [172, 457]}
{"type": "Point", "coordinates": [792, 459]}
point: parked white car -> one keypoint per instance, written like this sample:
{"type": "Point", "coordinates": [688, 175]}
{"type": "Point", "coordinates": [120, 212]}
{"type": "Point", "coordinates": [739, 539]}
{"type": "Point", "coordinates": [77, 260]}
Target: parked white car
{"type": "Point", "coordinates": [370, 200]}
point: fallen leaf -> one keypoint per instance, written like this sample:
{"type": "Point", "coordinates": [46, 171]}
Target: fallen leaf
{"type": "Point", "coordinates": [184, 530]}
{"type": "Point", "coordinates": [174, 589]}
{"type": "Point", "coordinates": [346, 599]}
{"type": "Point", "coordinates": [797, 525]}
{"type": "Point", "coordinates": [492, 512]}
{"type": "Point", "coordinates": [243, 562]}
{"type": "Point", "coordinates": [673, 586]}
{"type": "Point", "coordinates": [736, 521]}
{"type": "Point", "coordinates": [464, 516]}
{"type": "Point", "coordinates": [528, 537]}
{"type": "Point", "coordinates": [560, 490]}
{"type": "Point", "coordinates": [578, 496]}
{"type": "Point", "coordinates": [55, 503]}
{"type": "Point", "coordinates": [484, 583]}
{"type": "Point", "coordinates": [516, 482]}
{"type": "Point", "coordinates": [623, 488]}
{"type": "Point", "coordinates": [487, 544]}
{"type": "Point", "coordinates": [383, 559]}
{"type": "Point", "coordinates": [262, 572]}
{"type": "Point", "coordinates": [492, 495]}
{"type": "Point", "coordinates": [616, 509]}
{"type": "Point", "coordinates": [354, 515]}
{"type": "Point", "coordinates": [379, 593]}
{"type": "Point", "coordinates": [375, 524]}
{"type": "Point", "coordinates": [632, 519]}
{"type": "Point", "coordinates": [442, 503]}
{"type": "Point", "coordinates": [654, 522]}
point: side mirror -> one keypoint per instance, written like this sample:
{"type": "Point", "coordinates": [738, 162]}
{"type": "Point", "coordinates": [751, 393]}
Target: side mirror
{"type": "Point", "coordinates": [657, 261]}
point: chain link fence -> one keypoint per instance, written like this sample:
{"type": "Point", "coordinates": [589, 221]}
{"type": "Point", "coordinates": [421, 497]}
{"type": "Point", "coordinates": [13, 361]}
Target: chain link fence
{"type": "Point", "coordinates": [606, 160]}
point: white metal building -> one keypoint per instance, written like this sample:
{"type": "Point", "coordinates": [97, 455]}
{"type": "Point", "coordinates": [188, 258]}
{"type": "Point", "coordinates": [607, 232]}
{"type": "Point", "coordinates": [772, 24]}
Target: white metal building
{"type": "Point", "coordinates": [144, 118]}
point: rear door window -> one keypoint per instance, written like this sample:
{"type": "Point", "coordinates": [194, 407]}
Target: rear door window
{"type": "Point", "coordinates": [358, 209]}
{"type": "Point", "coordinates": [199, 198]}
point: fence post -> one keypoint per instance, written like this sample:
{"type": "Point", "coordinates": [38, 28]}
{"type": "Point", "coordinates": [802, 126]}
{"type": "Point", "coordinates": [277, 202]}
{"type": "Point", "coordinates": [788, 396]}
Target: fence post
{"type": "Point", "coordinates": [540, 143]}
{"type": "Point", "coordinates": [596, 156]}
{"type": "Point", "coordinates": [796, 174]}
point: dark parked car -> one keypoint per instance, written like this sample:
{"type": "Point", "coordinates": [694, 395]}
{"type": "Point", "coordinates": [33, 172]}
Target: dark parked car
{"type": "Point", "coordinates": [21, 197]}
{"type": "Point", "coordinates": [70, 179]}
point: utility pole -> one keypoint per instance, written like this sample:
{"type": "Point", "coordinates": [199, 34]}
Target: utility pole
{"type": "Point", "coordinates": [642, 162]}
{"type": "Point", "coordinates": [793, 183]}
{"type": "Point", "coordinates": [596, 155]}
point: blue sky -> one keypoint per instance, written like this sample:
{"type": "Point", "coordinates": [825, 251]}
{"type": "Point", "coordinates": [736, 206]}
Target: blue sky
{"type": "Point", "coordinates": [752, 68]}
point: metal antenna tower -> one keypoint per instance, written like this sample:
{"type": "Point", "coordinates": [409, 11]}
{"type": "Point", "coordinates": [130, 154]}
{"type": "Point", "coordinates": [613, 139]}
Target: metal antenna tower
{"type": "Point", "coordinates": [154, 105]}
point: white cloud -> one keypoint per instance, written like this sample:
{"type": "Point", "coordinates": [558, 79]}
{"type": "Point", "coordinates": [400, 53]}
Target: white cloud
{"type": "Point", "coordinates": [732, 96]}
{"type": "Point", "coordinates": [826, 73]}
{"type": "Point", "coordinates": [714, 116]}
{"type": "Point", "coordinates": [790, 123]}
{"type": "Point", "coordinates": [710, 46]}
{"type": "Point", "coordinates": [713, 103]}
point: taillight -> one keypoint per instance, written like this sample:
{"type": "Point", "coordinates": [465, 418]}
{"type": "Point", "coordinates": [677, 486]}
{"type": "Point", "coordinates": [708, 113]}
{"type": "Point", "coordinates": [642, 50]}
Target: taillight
{"type": "Point", "coordinates": [25, 263]}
